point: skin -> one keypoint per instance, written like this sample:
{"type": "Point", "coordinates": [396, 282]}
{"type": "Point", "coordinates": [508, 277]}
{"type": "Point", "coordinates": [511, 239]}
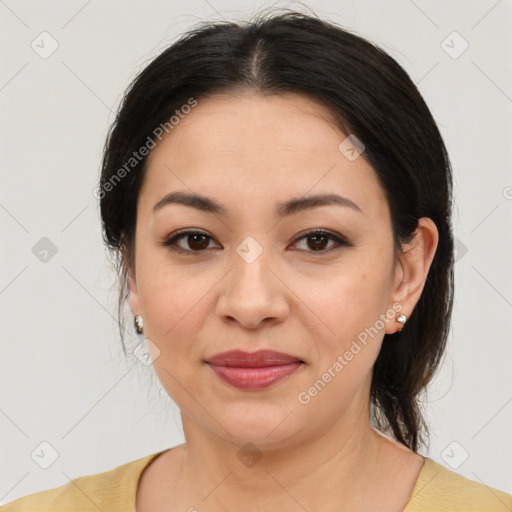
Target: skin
{"type": "Point", "coordinates": [249, 153]}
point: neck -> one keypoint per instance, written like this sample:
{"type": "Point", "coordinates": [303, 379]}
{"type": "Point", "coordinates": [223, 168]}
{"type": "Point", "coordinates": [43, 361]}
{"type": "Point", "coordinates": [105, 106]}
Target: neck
{"type": "Point", "coordinates": [342, 459]}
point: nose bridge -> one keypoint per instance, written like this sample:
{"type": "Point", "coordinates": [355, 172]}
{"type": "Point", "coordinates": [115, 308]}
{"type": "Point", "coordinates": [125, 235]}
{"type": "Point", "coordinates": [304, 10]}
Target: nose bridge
{"type": "Point", "coordinates": [250, 262]}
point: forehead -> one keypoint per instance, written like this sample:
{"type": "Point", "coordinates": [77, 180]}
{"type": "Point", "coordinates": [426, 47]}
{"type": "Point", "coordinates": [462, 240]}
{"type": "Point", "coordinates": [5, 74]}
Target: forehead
{"type": "Point", "coordinates": [248, 148]}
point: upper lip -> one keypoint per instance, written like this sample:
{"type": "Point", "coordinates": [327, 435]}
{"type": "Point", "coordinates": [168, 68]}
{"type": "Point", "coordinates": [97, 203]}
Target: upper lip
{"type": "Point", "coordinates": [258, 359]}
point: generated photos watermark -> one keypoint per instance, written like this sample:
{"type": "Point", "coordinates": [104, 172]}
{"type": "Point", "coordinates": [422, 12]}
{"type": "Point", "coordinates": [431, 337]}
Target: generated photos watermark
{"type": "Point", "coordinates": [305, 397]}
{"type": "Point", "coordinates": [143, 151]}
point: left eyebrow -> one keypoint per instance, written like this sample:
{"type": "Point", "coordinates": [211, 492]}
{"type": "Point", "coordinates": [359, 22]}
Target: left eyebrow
{"type": "Point", "coordinates": [290, 207]}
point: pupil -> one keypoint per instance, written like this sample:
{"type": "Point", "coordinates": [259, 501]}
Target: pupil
{"type": "Point", "coordinates": [316, 238]}
{"type": "Point", "coordinates": [195, 237]}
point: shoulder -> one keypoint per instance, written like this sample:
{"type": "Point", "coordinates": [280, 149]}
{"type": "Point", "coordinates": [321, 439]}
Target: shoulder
{"type": "Point", "coordinates": [439, 489]}
{"type": "Point", "coordinates": [110, 490]}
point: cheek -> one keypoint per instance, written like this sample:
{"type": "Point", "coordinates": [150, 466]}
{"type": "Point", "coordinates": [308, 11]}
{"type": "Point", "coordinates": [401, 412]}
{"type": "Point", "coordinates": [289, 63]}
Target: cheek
{"type": "Point", "coordinates": [175, 303]}
{"type": "Point", "coordinates": [347, 343]}
{"type": "Point", "coordinates": [347, 326]}
{"type": "Point", "coordinates": [346, 303]}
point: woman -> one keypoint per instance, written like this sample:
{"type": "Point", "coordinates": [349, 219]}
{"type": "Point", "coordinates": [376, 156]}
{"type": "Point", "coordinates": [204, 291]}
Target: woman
{"type": "Point", "coordinates": [278, 197]}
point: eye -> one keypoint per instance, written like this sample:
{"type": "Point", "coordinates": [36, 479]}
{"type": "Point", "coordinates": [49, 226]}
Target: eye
{"type": "Point", "coordinates": [198, 241]}
{"type": "Point", "coordinates": [318, 239]}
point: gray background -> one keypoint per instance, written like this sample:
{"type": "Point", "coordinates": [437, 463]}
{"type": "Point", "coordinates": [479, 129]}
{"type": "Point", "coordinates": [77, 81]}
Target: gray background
{"type": "Point", "coordinates": [64, 380]}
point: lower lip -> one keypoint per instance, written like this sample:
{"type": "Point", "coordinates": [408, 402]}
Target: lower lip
{"type": "Point", "coordinates": [254, 378]}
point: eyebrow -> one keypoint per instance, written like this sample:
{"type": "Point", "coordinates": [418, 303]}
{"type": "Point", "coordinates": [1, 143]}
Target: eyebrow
{"type": "Point", "coordinates": [290, 207]}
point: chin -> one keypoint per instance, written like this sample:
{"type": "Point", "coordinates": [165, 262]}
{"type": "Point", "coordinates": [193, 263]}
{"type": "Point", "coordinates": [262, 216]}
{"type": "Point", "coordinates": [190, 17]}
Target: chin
{"type": "Point", "coordinates": [264, 426]}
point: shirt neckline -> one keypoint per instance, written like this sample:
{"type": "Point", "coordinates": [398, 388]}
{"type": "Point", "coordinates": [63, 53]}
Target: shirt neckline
{"type": "Point", "coordinates": [426, 470]}
{"type": "Point", "coordinates": [137, 472]}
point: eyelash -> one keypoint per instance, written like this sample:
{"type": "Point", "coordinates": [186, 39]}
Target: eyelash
{"type": "Point", "coordinates": [171, 241]}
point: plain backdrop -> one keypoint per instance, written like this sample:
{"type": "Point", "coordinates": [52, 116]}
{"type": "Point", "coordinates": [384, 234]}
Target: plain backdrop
{"type": "Point", "coordinates": [64, 380]}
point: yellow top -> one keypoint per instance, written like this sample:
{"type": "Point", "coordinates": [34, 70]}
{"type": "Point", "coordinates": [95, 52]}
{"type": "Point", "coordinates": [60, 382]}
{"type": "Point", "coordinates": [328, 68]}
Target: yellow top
{"type": "Point", "coordinates": [437, 489]}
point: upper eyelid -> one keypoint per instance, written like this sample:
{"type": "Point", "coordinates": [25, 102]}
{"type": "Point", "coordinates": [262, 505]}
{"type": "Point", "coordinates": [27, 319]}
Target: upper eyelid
{"type": "Point", "coordinates": [192, 231]}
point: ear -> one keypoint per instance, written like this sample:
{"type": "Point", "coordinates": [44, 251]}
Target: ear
{"type": "Point", "coordinates": [133, 295]}
{"type": "Point", "coordinates": [412, 268]}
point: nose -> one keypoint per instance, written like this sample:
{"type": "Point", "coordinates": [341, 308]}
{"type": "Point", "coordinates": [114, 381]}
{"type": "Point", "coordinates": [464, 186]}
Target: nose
{"type": "Point", "coordinates": [253, 293]}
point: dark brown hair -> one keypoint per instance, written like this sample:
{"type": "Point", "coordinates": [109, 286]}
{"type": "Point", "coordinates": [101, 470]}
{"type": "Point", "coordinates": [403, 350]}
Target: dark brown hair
{"type": "Point", "coordinates": [369, 95]}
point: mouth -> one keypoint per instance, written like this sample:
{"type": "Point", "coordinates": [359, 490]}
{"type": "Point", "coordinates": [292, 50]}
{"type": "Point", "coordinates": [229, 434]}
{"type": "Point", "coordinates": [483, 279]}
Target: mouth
{"type": "Point", "coordinates": [253, 371]}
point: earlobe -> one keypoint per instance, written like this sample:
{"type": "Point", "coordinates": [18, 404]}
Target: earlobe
{"type": "Point", "coordinates": [133, 296]}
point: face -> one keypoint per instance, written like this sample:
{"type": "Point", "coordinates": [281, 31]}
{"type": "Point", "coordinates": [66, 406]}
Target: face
{"type": "Point", "coordinates": [249, 278]}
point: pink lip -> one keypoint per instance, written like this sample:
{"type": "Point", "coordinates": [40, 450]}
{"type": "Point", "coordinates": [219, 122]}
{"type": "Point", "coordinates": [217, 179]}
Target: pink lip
{"type": "Point", "coordinates": [256, 370]}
